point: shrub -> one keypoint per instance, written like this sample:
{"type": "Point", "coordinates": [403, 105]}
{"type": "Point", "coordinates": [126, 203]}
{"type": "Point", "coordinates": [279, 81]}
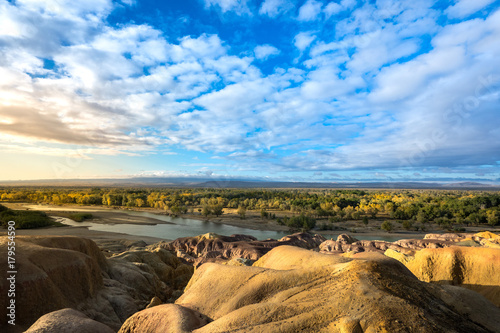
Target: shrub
{"type": "Point", "coordinates": [300, 222]}
{"type": "Point", "coordinates": [407, 224]}
{"type": "Point", "coordinates": [241, 212]}
{"type": "Point", "coordinates": [25, 219]}
{"type": "Point", "coordinates": [80, 217]}
{"type": "Point", "coordinates": [387, 226]}
{"type": "Point", "coordinates": [365, 220]}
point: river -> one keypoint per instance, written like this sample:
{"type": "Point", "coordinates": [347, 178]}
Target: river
{"type": "Point", "coordinates": [177, 227]}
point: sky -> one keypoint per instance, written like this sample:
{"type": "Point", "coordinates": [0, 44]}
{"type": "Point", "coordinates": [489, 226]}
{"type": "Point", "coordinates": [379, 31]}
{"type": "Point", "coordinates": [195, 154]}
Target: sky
{"type": "Point", "coordinates": [290, 90]}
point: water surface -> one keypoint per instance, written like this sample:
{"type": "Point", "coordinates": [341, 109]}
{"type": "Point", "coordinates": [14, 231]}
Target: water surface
{"type": "Point", "coordinates": [182, 227]}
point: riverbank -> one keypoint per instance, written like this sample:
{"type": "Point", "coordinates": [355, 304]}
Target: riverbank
{"type": "Point", "coordinates": [83, 232]}
{"type": "Point", "coordinates": [108, 216]}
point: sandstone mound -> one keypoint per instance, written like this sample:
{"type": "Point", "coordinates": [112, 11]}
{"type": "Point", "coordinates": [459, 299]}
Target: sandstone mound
{"type": "Point", "coordinates": [215, 248]}
{"type": "Point", "coordinates": [82, 245]}
{"type": "Point", "coordinates": [51, 277]}
{"type": "Point", "coordinates": [449, 237]}
{"type": "Point", "coordinates": [346, 243]}
{"type": "Point", "coordinates": [167, 318]}
{"type": "Point", "coordinates": [57, 272]}
{"type": "Point", "coordinates": [475, 268]}
{"type": "Point", "coordinates": [288, 257]}
{"type": "Point", "coordinates": [487, 235]}
{"type": "Point", "coordinates": [110, 247]}
{"type": "Point", "coordinates": [159, 263]}
{"type": "Point", "coordinates": [485, 239]}
{"type": "Point", "coordinates": [295, 290]}
{"type": "Point", "coordinates": [67, 320]}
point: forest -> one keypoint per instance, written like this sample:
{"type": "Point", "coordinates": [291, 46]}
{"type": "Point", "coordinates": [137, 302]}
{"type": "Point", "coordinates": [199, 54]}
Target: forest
{"type": "Point", "coordinates": [292, 207]}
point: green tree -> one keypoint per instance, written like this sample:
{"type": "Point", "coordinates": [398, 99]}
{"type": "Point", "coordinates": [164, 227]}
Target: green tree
{"type": "Point", "coordinates": [407, 224]}
{"type": "Point", "coordinates": [217, 210]}
{"type": "Point", "coordinates": [387, 226]}
{"type": "Point", "coordinates": [205, 210]}
{"type": "Point", "coordinates": [241, 212]}
{"type": "Point", "coordinates": [365, 220]}
{"type": "Point", "coordinates": [421, 217]}
{"type": "Point", "coordinates": [492, 217]}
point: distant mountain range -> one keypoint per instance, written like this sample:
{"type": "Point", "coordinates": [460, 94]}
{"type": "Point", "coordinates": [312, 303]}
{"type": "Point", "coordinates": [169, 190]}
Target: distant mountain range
{"type": "Point", "coordinates": [236, 183]}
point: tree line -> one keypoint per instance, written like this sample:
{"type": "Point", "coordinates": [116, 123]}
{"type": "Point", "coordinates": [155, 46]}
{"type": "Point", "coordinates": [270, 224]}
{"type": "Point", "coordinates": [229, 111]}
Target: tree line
{"type": "Point", "coordinates": [442, 207]}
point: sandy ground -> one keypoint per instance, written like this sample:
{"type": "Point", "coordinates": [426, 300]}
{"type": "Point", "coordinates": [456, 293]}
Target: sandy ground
{"type": "Point", "coordinates": [82, 232]}
{"type": "Point", "coordinates": [101, 215]}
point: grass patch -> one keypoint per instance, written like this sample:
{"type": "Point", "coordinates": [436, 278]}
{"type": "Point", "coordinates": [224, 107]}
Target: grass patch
{"type": "Point", "coordinates": [25, 219]}
{"type": "Point", "coordinates": [80, 217]}
{"type": "Point", "coordinates": [77, 217]}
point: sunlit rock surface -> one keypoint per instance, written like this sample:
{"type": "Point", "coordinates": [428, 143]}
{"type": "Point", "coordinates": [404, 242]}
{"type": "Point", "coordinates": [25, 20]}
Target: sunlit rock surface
{"type": "Point", "coordinates": [295, 290]}
{"type": "Point", "coordinates": [216, 248]}
{"type": "Point", "coordinates": [475, 268]}
{"type": "Point", "coordinates": [67, 320]}
{"type": "Point", "coordinates": [57, 272]}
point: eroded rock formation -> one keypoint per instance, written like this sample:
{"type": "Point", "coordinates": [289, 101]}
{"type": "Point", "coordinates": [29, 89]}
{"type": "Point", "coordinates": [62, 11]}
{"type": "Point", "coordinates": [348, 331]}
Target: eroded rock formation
{"type": "Point", "coordinates": [166, 318]}
{"type": "Point", "coordinates": [475, 268]}
{"type": "Point", "coordinates": [215, 248]}
{"type": "Point", "coordinates": [346, 243]}
{"type": "Point", "coordinates": [67, 320]}
{"type": "Point", "coordinates": [295, 290]}
{"type": "Point", "coordinates": [352, 287]}
{"type": "Point", "coordinates": [60, 272]}
{"type": "Point", "coordinates": [52, 273]}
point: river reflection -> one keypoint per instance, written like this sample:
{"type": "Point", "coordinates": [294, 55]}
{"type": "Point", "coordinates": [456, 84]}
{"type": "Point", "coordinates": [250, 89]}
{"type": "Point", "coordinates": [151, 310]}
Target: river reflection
{"type": "Point", "coordinates": [182, 227]}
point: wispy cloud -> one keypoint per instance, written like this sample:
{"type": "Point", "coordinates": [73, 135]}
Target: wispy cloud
{"type": "Point", "coordinates": [273, 8]}
{"type": "Point", "coordinates": [237, 6]}
{"type": "Point", "coordinates": [262, 52]}
{"type": "Point", "coordinates": [310, 10]}
{"type": "Point", "coordinates": [350, 86]}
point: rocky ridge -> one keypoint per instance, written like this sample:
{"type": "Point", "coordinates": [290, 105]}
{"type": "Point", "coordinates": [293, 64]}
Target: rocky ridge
{"type": "Point", "coordinates": [261, 285]}
{"type": "Point", "coordinates": [216, 248]}
{"type": "Point", "coordinates": [70, 272]}
{"type": "Point", "coordinates": [292, 289]}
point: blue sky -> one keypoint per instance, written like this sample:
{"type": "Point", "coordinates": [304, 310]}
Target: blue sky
{"type": "Point", "coordinates": [276, 89]}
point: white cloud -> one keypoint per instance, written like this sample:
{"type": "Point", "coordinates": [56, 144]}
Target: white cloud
{"type": "Point", "coordinates": [464, 8]}
{"type": "Point", "coordinates": [205, 46]}
{"type": "Point", "coordinates": [238, 6]}
{"type": "Point", "coordinates": [262, 52]}
{"type": "Point", "coordinates": [403, 80]}
{"type": "Point", "coordinates": [361, 96]}
{"type": "Point", "coordinates": [303, 40]}
{"type": "Point", "coordinates": [273, 8]}
{"type": "Point", "coordinates": [66, 8]}
{"type": "Point", "coordinates": [310, 10]}
{"type": "Point", "coordinates": [129, 2]}
{"type": "Point", "coordinates": [332, 8]}
{"type": "Point", "coordinates": [348, 4]}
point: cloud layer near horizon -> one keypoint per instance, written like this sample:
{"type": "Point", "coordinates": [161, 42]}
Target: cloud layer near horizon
{"type": "Point", "coordinates": [389, 85]}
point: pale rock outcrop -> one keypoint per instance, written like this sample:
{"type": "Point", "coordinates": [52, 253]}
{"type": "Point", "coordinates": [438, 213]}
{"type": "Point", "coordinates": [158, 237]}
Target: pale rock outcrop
{"type": "Point", "coordinates": [110, 247]}
{"type": "Point", "coordinates": [449, 237]}
{"type": "Point", "coordinates": [346, 243]}
{"type": "Point", "coordinates": [485, 239]}
{"type": "Point", "coordinates": [57, 272]}
{"type": "Point", "coordinates": [166, 318]}
{"type": "Point", "coordinates": [474, 268]}
{"type": "Point", "coordinates": [216, 248]}
{"type": "Point", "coordinates": [295, 290]}
{"type": "Point", "coordinates": [52, 273]}
{"type": "Point", "coordinates": [155, 301]}
{"type": "Point", "coordinates": [239, 262]}
{"type": "Point", "coordinates": [346, 239]}
{"type": "Point", "coordinates": [67, 320]}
